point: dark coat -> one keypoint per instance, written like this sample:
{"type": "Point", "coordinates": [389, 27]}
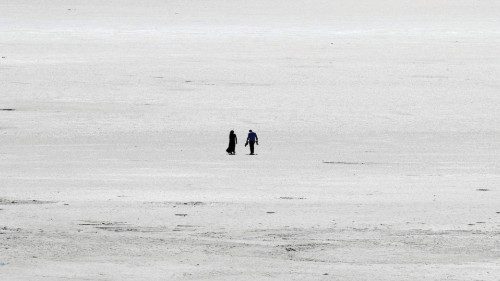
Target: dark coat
{"type": "Point", "coordinates": [233, 140]}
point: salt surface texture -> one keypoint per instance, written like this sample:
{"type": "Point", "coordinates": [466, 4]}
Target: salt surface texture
{"type": "Point", "coordinates": [377, 120]}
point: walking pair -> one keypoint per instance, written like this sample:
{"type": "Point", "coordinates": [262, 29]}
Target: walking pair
{"type": "Point", "coordinates": [252, 139]}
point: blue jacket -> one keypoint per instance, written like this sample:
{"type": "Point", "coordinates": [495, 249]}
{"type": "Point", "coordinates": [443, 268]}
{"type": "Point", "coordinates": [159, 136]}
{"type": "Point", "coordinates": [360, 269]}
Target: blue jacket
{"type": "Point", "coordinates": [252, 137]}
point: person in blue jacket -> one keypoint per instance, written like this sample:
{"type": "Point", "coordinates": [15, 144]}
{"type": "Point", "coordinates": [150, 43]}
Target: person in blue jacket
{"type": "Point", "coordinates": [252, 139]}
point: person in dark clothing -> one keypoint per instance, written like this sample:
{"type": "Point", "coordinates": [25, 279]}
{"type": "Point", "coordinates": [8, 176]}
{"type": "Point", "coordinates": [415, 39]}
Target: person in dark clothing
{"type": "Point", "coordinates": [233, 140]}
{"type": "Point", "coordinates": [252, 139]}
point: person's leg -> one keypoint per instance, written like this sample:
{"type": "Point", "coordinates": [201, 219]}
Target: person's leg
{"type": "Point", "coordinates": [252, 147]}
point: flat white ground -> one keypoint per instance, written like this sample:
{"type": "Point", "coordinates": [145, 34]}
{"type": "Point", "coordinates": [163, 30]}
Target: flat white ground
{"type": "Point", "coordinates": [378, 125]}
